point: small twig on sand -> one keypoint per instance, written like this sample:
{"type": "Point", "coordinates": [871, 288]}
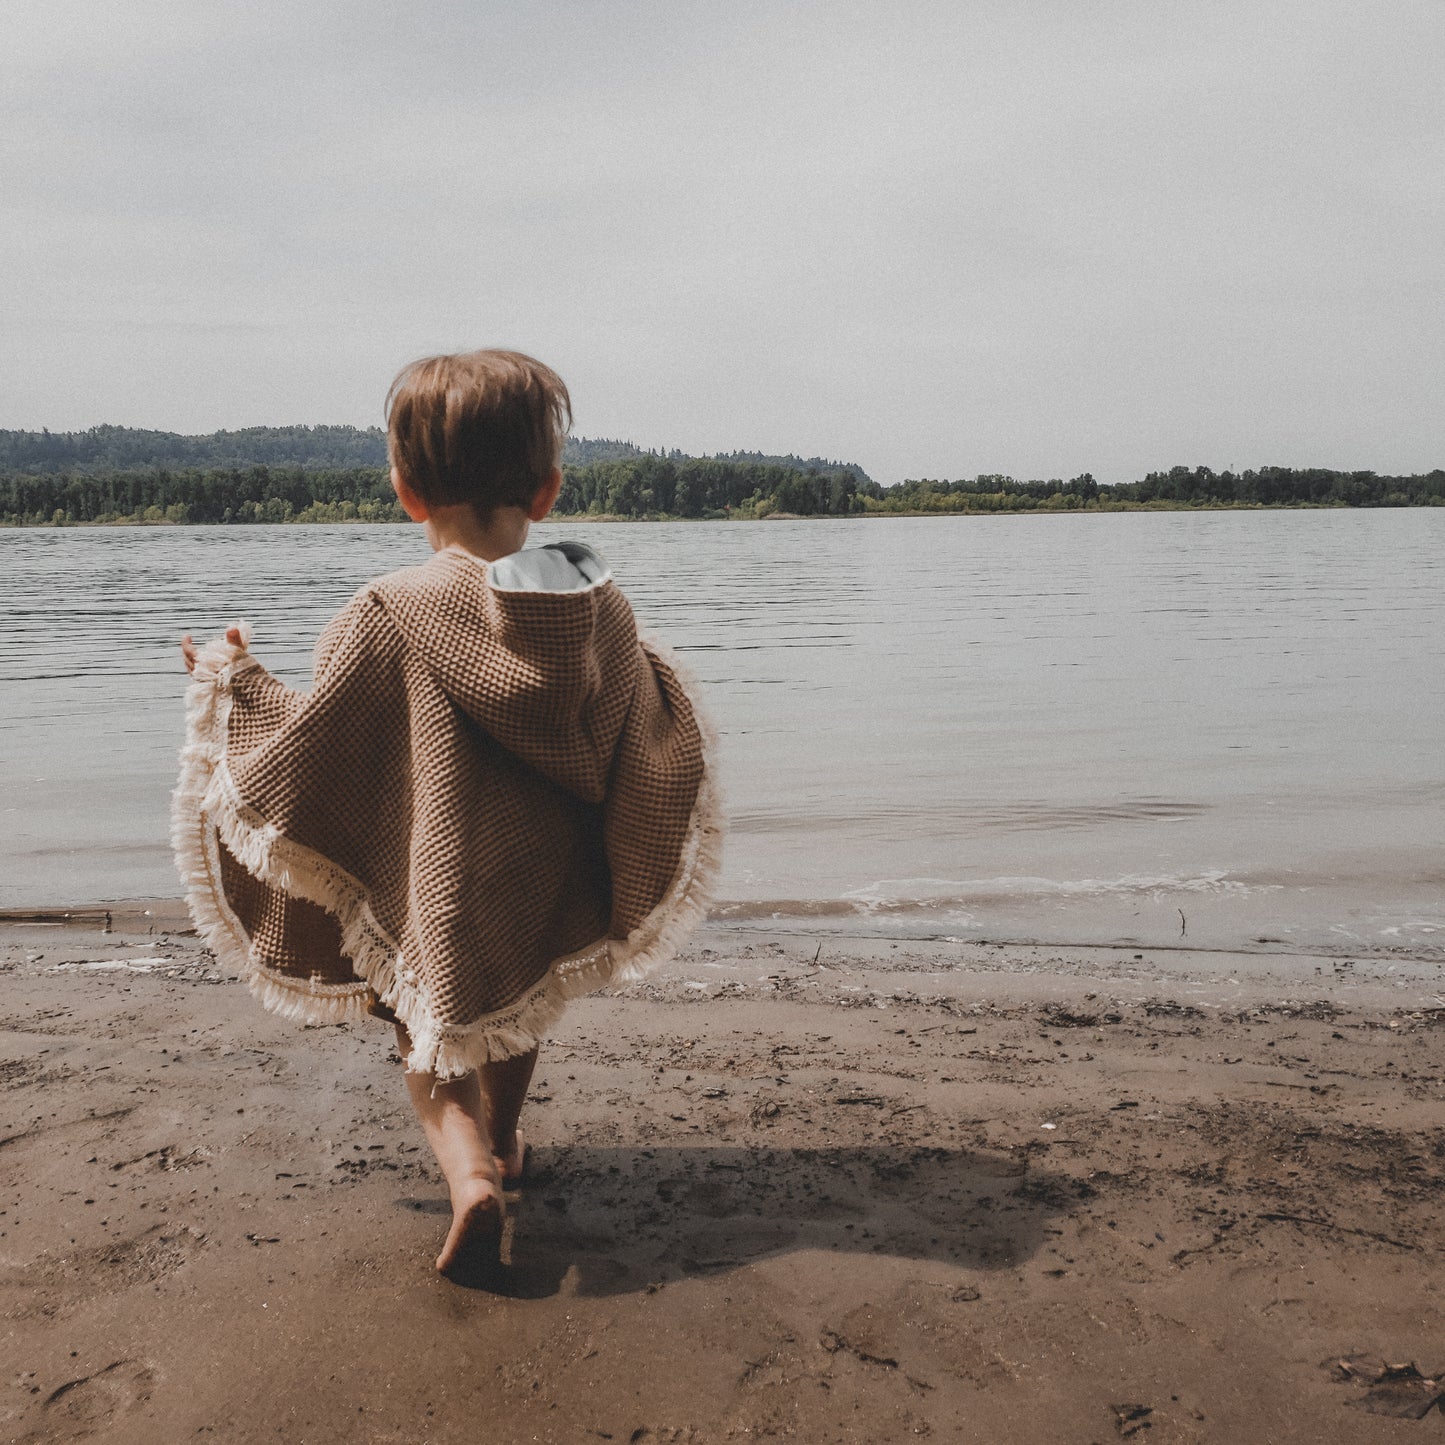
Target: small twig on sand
{"type": "Point", "coordinates": [1183, 922]}
{"type": "Point", "coordinates": [1338, 1228]}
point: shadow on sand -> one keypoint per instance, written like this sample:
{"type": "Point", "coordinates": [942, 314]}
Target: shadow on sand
{"type": "Point", "coordinates": [624, 1219]}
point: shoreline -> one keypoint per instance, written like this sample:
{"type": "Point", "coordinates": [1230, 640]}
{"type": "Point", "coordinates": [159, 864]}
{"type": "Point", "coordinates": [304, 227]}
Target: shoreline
{"type": "Point", "coordinates": [1272, 963]}
{"type": "Point", "coordinates": [859, 1191]}
{"type": "Point", "coordinates": [610, 517]}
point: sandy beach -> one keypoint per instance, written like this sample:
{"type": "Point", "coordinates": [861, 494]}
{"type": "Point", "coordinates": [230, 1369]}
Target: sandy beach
{"type": "Point", "coordinates": [858, 1193]}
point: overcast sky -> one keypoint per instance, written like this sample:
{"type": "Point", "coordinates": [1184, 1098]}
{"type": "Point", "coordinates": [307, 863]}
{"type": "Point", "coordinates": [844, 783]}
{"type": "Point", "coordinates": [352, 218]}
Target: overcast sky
{"type": "Point", "coordinates": [1031, 236]}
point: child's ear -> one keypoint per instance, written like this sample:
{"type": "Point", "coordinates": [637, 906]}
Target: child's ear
{"type": "Point", "coordinates": [546, 496]}
{"type": "Point", "coordinates": [411, 504]}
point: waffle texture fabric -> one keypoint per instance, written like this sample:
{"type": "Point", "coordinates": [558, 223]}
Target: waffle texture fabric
{"type": "Point", "coordinates": [492, 799]}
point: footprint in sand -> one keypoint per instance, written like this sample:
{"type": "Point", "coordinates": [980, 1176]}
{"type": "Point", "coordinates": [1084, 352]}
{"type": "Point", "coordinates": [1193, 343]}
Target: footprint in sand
{"type": "Point", "coordinates": [143, 1259]}
{"type": "Point", "coordinates": [91, 1403]}
{"type": "Point", "coordinates": [59, 1284]}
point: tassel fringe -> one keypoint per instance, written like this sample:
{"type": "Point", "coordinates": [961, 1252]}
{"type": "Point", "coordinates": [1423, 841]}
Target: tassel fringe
{"type": "Point", "coordinates": [207, 810]}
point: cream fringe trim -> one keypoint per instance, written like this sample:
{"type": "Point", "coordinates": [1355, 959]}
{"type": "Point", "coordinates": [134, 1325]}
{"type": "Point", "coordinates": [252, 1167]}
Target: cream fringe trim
{"type": "Point", "coordinates": [207, 810]}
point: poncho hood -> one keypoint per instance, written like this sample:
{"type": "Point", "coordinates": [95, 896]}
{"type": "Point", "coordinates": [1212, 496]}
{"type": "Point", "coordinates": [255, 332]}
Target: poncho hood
{"type": "Point", "coordinates": [548, 620]}
{"type": "Point", "coordinates": [495, 796]}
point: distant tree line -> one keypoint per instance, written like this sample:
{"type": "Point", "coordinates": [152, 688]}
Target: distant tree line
{"type": "Point", "coordinates": [649, 487]}
{"type": "Point", "coordinates": [320, 448]}
{"type": "Point", "coordinates": [123, 448]}
{"type": "Point", "coordinates": [109, 475]}
{"type": "Point", "coordinates": [1178, 487]}
{"type": "Point", "coordinates": [1286, 486]}
{"type": "Point", "coordinates": [698, 487]}
{"type": "Point", "coordinates": [159, 494]}
{"type": "Point", "coordinates": [339, 474]}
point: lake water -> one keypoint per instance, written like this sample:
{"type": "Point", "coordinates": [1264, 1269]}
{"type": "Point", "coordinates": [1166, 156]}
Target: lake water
{"type": "Point", "coordinates": [1208, 728]}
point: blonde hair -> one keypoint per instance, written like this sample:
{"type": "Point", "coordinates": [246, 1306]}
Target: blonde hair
{"type": "Point", "coordinates": [480, 427]}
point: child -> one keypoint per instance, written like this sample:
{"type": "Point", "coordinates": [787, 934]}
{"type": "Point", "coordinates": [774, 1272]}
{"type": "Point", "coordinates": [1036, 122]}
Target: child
{"type": "Point", "coordinates": [495, 797]}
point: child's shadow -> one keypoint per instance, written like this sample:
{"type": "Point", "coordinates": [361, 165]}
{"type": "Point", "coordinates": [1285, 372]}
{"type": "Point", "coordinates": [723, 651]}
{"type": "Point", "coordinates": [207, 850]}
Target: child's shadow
{"type": "Point", "coordinates": [626, 1219]}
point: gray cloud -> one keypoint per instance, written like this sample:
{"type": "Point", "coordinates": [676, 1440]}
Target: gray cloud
{"type": "Point", "coordinates": [938, 239]}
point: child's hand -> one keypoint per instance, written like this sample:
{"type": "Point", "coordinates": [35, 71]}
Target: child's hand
{"type": "Point", "coordinates": [188, 647]}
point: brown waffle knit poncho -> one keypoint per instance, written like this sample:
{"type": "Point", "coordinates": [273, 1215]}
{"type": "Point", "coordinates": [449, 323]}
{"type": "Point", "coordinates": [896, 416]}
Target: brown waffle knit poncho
{"type": "Point", "coordinates": [491, 801]}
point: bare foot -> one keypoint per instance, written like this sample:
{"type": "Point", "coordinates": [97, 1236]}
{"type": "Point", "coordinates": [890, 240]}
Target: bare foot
{"type": "Point", "coordinates": [473, 1246]}
{"type": "Point", "coordinates": [513, 1164]}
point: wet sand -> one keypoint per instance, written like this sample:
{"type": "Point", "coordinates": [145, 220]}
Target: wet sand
{"type": "Point", "coordinates": [885, 1192]}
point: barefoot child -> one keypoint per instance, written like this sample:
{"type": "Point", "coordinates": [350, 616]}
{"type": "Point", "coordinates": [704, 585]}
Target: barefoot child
{"type": "Point", "coordinates": [495, 796]}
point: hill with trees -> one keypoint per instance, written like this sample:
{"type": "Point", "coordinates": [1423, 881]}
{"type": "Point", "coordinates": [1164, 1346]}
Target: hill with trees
{"type": "Point", "coordinates": [327, 474]}
{"type": "Point", "coordinates": [115, 474]}
{"type": "Point", "coordinates": [313, 448]}
{"type": "Point", "coordinates": [123, 448]}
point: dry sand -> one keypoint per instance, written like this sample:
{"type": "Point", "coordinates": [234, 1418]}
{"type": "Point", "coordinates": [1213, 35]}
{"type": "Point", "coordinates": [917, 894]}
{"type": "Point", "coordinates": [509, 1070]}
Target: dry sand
{"type": "Point", "coordinates": [966, 1193]}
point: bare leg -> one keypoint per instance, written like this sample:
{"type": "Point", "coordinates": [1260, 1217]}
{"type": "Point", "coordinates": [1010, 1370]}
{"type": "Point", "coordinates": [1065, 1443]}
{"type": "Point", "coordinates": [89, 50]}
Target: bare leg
{"type": "Point", "coordinates": [453, 1117]}
{"type": "Point", "coordinates": [504, 1090]}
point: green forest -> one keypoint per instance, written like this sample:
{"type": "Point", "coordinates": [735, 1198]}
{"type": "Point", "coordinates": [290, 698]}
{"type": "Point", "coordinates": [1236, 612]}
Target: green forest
{"type": "Point", "coordinates": [339, 474]}
{"type": "Point", "coordinates": [1179, 487]}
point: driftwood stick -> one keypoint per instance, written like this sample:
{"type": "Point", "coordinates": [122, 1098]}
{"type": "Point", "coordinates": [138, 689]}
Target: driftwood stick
{"type": "Point", "coordinates": [1338, 1228]}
